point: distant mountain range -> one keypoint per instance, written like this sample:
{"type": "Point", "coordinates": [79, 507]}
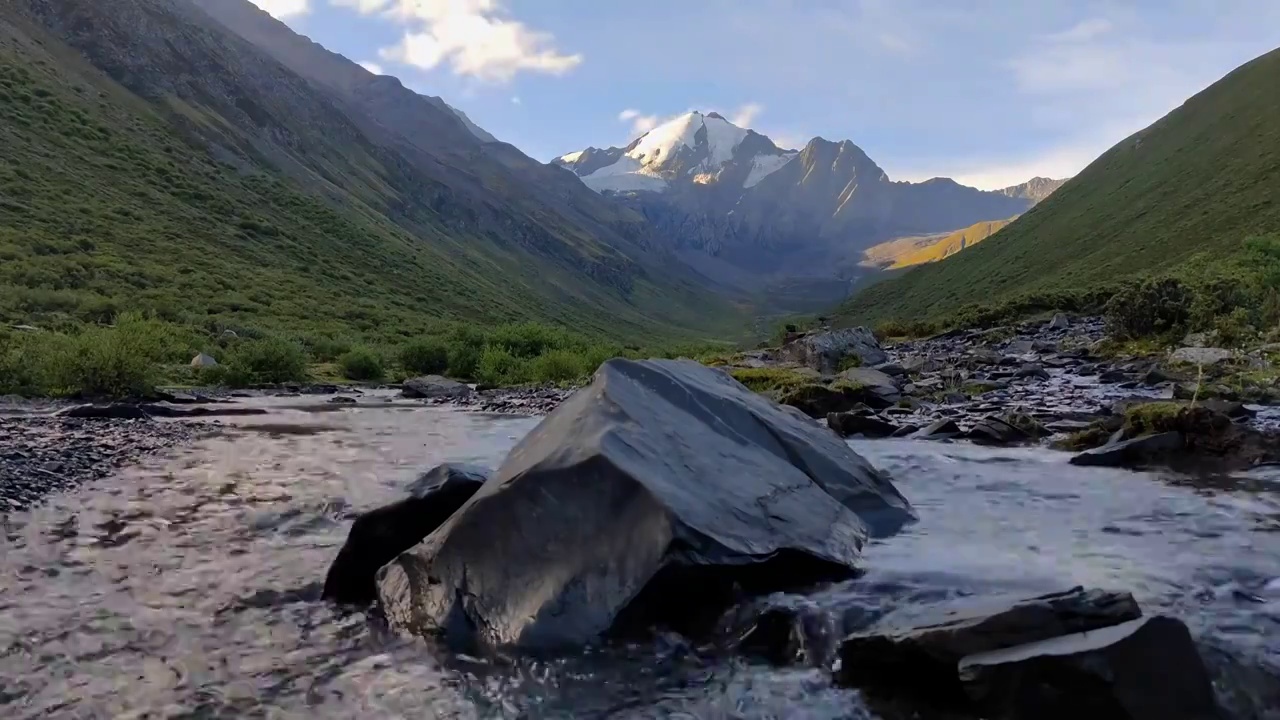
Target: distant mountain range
{"type": "Point", "coordinates": [747, 213]}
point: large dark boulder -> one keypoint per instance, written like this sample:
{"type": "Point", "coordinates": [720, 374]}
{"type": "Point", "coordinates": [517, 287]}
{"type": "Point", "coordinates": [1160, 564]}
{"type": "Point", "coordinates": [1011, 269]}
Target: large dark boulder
{"type": "Point", "coordinates": [379, 535]}
{"type": "Point", "coordinates": [654, 496]}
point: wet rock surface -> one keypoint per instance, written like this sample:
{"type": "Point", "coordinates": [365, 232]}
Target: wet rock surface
{"type": "Point", "coordinates": [909, 648]}
{"type": "Point", "coordinates": [652, 497]}
{"type": "Point", "coordinates": [182, 582]}
{"type": "Point", "coordinates": [381, 534]}
{"type": "Point", "coordinates": [510, 401]}
{"type": "Point", "coordinates": [44, 455]}
{"type": "Point", "coordinates": [1144, 669]}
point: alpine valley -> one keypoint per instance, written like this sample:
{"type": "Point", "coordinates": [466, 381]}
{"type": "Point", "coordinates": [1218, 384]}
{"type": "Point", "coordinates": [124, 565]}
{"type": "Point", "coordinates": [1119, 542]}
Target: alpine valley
{"type": "Point", "coordinates": [799, 225]}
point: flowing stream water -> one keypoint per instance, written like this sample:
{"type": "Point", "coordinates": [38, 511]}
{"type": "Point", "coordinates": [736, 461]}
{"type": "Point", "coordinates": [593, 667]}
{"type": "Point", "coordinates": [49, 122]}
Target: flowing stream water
{"type": "Point", "coordinates": [186, 587]}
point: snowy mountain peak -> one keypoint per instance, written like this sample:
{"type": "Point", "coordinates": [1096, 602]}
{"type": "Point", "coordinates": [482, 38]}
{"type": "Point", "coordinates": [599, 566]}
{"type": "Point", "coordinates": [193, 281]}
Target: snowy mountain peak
{"type": "Point", "coordinates": [693, 147]}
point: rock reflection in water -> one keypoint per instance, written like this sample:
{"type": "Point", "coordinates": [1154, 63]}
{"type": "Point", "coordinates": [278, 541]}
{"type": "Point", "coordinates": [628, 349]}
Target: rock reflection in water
{"type": "Point", "coordinates": [208, 608]}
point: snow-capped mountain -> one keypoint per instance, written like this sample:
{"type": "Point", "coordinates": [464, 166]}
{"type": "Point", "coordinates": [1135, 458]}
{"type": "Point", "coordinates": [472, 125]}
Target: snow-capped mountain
{"type": "Point", "coordinates": [693, 147]}
{"type": "Point", "coordinates": [739, 207]}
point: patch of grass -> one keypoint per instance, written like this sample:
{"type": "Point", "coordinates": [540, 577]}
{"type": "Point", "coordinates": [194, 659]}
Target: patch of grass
{"type": "Point", "coordinates": [770, 380]}
{"type": "Point", "coordinates": [949, 245]}
{"type": "Point", "coordinates": [1183, 192]}
{"type": "Point", "coordinates": [1091, 437]}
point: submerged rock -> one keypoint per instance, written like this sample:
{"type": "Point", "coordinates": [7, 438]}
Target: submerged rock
{"type": "Point", "coordinates": [379, 535]}
{"type": "Point", "coordinates": [921, 654]}
{"type": "Point", "coordinates": [434, 386]}
{"type": "Point", "coordinates": [1144, 669]}
{"type": "Point", "coordinates": [651, 497]}
{"type": "Point", "coordinates": [852, 423]}
{"type": "Point", "coordinates": [1135, 452]}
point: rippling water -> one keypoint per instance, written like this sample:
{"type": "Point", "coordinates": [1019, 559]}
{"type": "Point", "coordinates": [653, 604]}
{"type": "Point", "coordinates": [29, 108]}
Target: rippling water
{"type": "Point", "coordinates": [185, 588]}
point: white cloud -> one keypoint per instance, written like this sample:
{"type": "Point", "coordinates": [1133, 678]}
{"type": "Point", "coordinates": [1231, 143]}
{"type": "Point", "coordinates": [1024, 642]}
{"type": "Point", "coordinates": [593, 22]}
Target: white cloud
{"type": "Point", "coordinates": [515, 99]}
{"type": "Point", "coordinates": [372, 67]}
{"type": "Point", "coordinates": [746, 114]}
{"type": "Point", "coordinates": [281, 9]}
{"type": "Point", "coordinates": [640, 123]}
{"type": "Point", "coordinates": [1083, 31]}
{"type": "Point", "coordinates": [474, 38]}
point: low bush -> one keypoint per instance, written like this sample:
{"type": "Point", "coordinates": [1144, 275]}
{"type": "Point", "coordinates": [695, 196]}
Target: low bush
{"type": "Point", "coordinates": [269, 360]}
{"type": "Point", "coordinates": [498, 366]}
{"type": "Point", "coordinates": [428, 356]}
{"type": "Point", "coordinates": [361, 364]}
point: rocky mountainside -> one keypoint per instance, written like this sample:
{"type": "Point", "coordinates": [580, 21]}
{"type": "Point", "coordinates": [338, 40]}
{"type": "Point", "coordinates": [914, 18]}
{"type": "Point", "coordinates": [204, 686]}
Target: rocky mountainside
{"type": "Point", "coordinates": [1188, 189]}
{"type": "Point", "coordinates": [739, 207]}
{"type": "Point", "coordinates": [426, 216]}
{"type": "Point", "coordinates": [1035, 189]}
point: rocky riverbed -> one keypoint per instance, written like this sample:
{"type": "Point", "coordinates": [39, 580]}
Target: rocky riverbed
{"type": "Point", "coordinates": [40, 455]}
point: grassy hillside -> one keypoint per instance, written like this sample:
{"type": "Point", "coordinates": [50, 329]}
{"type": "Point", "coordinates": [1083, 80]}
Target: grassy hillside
{"type": "Point", "coordinates": [1196, 183]}
{"type": "Point", "coordinates": [949, 245]}
{"type": "Point", "coordinates": [108, 203]}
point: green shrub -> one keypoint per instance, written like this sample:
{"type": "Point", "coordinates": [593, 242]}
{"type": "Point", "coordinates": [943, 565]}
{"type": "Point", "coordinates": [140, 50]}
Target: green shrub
{"type": "Point", "coordinates": [498, 366]}
{"type": "Point", "coordinates": [270, 360]}
{"type": "Point", "coordinates": [426, 356]}
{"type": "Point", "coordinates": [464, 361]}
{"type": "Point", "coordinates": [529, 340]}
{"type": "Point", "coordinates": [327, 349]}
{"type": "Point", "coordinates": [559, 366]}
{"type": "Point", "coordinates": [1149, 308]}
{"type": "Point", "coordinates": [361, 363]}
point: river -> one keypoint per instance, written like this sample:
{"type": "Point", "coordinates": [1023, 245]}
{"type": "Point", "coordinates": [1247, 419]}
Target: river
{"type": "Point", "coordinates": [185, 587]}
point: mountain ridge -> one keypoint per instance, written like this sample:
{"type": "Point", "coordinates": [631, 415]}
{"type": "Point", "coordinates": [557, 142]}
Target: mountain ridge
{"type": "Point", "coordinates": [761, 214]}
{"type": "Point", "coordinates": [491, 234]}
{"type": "Point", "coordinates": [1187, 190]}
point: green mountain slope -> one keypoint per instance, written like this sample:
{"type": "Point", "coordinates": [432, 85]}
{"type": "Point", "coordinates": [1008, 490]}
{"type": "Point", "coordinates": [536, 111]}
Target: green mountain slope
{"type": "Point", "coordinates": [150, 158]}
{"type": "Point", "coordinates": [1198, 181]}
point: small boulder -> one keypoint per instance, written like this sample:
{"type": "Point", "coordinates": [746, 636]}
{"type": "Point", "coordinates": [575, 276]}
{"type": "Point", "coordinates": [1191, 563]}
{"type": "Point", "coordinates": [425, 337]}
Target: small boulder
{"type": "Point", "coordinates": [824, 351]}
{"type": "Point", "coordinates": [1059, 322]}
{"type": "Point", "coordinates": [992, 430]}
{"type": "Point", "coordinates": [434, 386]}
{"type": "Point", "coordinates": [943, 429]}
{"type": "Point", "coordinates": [378, 536]}
{"type": "Point", "coordinates": [1201, 355]}
{"type": "Point", "coordinates": [922, 654]}
{"type": "Point", "coordinates": [201, 361]}
{"type": "Point", "coordinates": [1135, 452]}
{"type": "Point", "coordinates": [1143, 669]}
{"type": "Point", "coordinates": [1033, 370]}
{"type": "Point", "coordinates": [655, 496]}
{"type": "Point", "coordinates": [847, 424]}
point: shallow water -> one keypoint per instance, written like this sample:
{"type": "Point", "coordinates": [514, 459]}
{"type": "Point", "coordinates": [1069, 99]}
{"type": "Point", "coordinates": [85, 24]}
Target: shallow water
{"type": "Point", "coordinates": [184, 588]}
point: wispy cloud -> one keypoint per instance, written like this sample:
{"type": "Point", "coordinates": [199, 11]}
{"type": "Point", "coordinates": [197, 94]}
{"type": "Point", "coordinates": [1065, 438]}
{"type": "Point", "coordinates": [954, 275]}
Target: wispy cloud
{"type": "Point", "coordinates": [746, 115]}
{"type": "Point", "coordinates": [640, 123]}
{"type": "Point", "coordinates": [1082, 31]}
{"type": "Point", "coordinates": [372, 67]}
{"type": "Point", "coordinates": [474, 38]}
{"type": "Point", "coordinates": [281, 9]}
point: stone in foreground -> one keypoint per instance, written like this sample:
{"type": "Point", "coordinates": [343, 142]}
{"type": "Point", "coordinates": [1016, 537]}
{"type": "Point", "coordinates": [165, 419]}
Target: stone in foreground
{"type": "Point", "coordinates": [379, 535]}
{"type": "Point", "coordinates": [920, 654]}
{"type": "Point", "coordinates": [650, 497]}
{"type": "Point", "coordinates": [1144, 669]}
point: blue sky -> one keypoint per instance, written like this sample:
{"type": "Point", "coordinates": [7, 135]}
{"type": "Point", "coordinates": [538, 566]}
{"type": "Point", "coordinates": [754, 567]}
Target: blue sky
{"type": "Point", "coordinates": [990, 92]}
